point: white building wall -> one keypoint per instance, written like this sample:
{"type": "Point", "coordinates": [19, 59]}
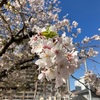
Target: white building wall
{"type": "Point", "coordinates": [78, 84]}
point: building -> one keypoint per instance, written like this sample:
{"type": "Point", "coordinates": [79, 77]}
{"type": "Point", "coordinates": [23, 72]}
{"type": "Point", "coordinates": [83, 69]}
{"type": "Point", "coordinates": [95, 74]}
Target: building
{"type": "Point", "coordinates": [78, 85]}
{"type": "Point", "coordinates": [82, 93]}
{"type": "Point", "coordinates": [38, 89]}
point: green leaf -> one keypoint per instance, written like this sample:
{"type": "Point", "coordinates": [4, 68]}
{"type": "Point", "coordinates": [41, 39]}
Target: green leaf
{"type": "Point", "coordinates": [49, 34]}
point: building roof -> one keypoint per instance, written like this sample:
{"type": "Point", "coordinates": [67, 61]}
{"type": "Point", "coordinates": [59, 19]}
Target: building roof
{"type": "Point", "coordinates": [79, 98]}
{"type": "Point", "coordinates": [84, 92]}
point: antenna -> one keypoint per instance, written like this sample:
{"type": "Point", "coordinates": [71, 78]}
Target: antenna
{"type": "Point", "coordinates": [86, 70]}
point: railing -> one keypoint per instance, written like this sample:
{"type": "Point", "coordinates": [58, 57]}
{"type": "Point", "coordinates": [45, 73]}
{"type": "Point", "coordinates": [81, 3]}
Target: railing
{"type": "Point", "coordinates": [30, 96]}
{"type": "Point", "coordinates": [40, 98]}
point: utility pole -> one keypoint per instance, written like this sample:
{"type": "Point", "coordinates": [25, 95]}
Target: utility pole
{"type": "Point", "coordinates": [68, 87]}
{"type": "Point", "coordinates": [86, 69]}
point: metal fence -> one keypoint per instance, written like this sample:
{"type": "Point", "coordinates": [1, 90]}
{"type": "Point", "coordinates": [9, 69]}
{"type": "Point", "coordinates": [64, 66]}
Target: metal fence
{"type": "Point", "coordinates": [30, 96]}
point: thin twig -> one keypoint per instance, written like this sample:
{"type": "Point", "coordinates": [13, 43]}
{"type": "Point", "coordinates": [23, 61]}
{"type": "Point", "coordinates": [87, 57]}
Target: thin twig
{"type": "Point", "coordinates": [94, 61]}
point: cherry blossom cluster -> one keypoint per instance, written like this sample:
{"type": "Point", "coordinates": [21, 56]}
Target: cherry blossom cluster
{"type": "Point", "coordinates": [58, 57]}
{"type": "Point", "coordinates": [87, 54]}
{"type": "Point", "coordinates": [93, 80]}
{"type": "Point", "coordinates": [88, 39]}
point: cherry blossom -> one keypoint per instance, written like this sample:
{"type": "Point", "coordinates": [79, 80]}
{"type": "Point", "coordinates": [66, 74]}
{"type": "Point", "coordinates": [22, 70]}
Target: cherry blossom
{"type": "Point", "coordinates": [78, 30]}
{"type": "Point", "coordinates": [93, 80]}
{"type": "Point", "coordinates": [86, 40]}
{"type": "Point", "coordinates": [91, 52]}
{"type": "Point", "coordinates": [75, 24]}
{"type": "Point", "coordinates": [32, 27]}
{"type": "Point", "coordinates": [57, 55]}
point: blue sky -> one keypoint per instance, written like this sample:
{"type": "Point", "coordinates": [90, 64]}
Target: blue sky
{"type": "Point", "coordinates": [87, 14]}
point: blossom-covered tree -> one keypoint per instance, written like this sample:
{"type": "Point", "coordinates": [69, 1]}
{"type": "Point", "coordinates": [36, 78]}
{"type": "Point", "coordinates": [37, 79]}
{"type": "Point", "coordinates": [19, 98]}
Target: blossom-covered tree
{"type": "Point", "coordinates": [33, 37]}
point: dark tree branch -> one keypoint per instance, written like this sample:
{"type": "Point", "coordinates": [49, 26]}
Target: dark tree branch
{"type": "Point", "coordinates": [20, 30]}
{"type": "Point", "coordinates": [17, 66]}
{"type": "Point", "coordinates": [3, 50]}
{"type": "Point", "coordinates": [15, 39]}
{"type": "Point", "coordinates": [8, 25]}
{"type": "Point", "coordinates": [21, 65]}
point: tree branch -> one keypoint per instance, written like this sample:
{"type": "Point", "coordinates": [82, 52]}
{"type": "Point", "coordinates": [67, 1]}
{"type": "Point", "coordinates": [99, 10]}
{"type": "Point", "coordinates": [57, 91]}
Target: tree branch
{"type": "Point", "coordinates": [15, 39]}
{"type": "Point", "coordinates": [3, 50]}
{"type": "Point", "coordinates": [5, 73]}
